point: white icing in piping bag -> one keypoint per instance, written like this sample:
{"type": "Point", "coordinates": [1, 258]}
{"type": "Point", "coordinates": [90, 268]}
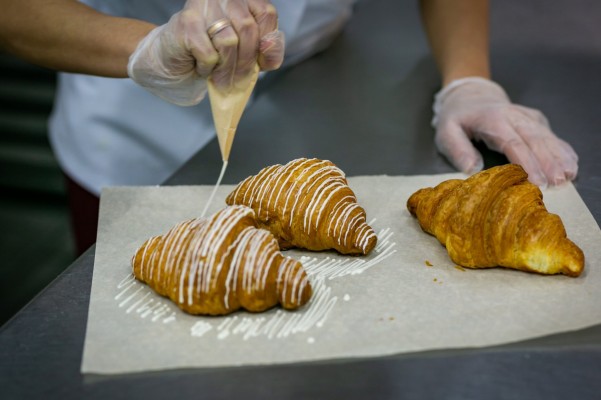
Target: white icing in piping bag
{"type": "Point", "coordinates": [227, 105]}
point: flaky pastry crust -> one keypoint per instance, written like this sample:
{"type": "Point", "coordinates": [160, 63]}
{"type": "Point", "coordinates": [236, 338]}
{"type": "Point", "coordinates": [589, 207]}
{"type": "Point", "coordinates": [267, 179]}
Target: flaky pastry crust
{"type": "Point", "coordinates": [497, 218]}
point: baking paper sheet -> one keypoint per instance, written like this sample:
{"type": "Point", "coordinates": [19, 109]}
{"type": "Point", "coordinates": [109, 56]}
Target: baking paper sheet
{"type": "Point", "coordinates": [406, 296]}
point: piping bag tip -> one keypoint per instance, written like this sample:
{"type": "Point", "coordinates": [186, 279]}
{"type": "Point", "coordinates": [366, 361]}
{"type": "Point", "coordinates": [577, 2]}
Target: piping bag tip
{"type": "Point", "coordinates": [227, 108]}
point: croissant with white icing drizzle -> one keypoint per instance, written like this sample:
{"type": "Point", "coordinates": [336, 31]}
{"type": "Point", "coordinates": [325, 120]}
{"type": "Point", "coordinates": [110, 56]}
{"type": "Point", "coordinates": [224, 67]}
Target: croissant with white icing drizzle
{"type": "Point", "coordinates": [307, 203]}
{"type": "Point", "coordinates": [217, 265]}
{"type": "Point", "coordinates": [497, 218]}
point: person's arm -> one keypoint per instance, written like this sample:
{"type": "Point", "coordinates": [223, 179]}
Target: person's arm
{"type": "Point", "coordinates": [458, 34]}
{"type": "Point", "coordinates": [222, 39]}
{"type": "Point", "coordinates": [471, 106]}
{"type": "Point", "coordinates": [69, 36]}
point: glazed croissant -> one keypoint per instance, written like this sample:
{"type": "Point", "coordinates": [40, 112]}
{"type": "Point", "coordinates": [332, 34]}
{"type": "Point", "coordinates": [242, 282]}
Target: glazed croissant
{"type": "Point", "coordinates": [217, 265]}
{"type": "Point", "coordinates": [307, 203]}
{"type": "Point", "coordinates": [497, 218]}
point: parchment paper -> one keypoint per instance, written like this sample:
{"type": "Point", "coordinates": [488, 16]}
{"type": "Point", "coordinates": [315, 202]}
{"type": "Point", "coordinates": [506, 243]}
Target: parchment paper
{"type": "Point", "coordinates": [389, 302]}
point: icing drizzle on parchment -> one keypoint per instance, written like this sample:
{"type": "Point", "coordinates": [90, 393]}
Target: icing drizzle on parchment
{"type": "Point", "coordinates": [139, 300]}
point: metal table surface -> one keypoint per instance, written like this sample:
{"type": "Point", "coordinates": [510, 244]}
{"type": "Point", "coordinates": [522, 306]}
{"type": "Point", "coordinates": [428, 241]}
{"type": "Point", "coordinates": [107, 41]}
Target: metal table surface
{"type": "Point", "coordinates": [364, 104]}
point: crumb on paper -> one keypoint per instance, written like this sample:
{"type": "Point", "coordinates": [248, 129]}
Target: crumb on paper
{"type": "Point", "coordinates": [391, 318]}
{"type": "Point", "coordinates": [435, 280]}
{"type": "Point", "coordinates": [428, 263]}
{"type": "Point", "coordinates": [460, 268]}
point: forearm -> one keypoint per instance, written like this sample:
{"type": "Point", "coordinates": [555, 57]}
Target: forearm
{"type": "Point", "coordinates": [69, 36]}
{"type": "Point", "coordinates": [458, 34]}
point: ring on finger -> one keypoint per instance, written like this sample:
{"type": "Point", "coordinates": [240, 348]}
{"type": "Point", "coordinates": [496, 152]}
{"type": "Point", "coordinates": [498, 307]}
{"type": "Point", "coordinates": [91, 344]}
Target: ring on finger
{"type": "Point", "coordinates": [218, 26]}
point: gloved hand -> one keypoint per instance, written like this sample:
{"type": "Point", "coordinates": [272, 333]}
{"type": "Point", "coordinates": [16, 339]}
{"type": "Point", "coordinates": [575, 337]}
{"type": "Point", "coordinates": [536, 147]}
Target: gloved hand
{"type": "Point", "coordinates": [478, 109]}
{"type": "Point", "coordinates": [174, 60]}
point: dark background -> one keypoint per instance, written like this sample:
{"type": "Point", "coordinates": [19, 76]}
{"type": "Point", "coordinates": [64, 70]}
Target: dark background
{"type": "Point", "coordinates": [35, 238]}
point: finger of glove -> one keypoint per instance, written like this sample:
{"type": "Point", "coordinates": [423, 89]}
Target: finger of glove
{"type": "Point", "coordinates": [455, 145]}
{"type": "Point", "coordinates": [573, 172]}
{"type": "Point", "coordinates": [224, 72]}
{"type": "Point", "coordinates": [247, 31]}
{"type": "Point", "coordinates": [191, 29]}
{"type": "Point", "coordinates": [265, 14]}
{"type": "Point", "coordinates": [272, 43]}
{"type": "Point", "coordinates": [556, 161]}
{"type": "Point", "coordinates": [225, 43]}
{"type": "Point", "coordinates": [533, 113]}
{"type": "Point", "coordinates": [569, 150]}
{"type": "Point", "coordinates": [502, 137]}
{"type": "Point", "coordinates": [564, 150]}
{"type": "Point", "coordinates": [271, 51]}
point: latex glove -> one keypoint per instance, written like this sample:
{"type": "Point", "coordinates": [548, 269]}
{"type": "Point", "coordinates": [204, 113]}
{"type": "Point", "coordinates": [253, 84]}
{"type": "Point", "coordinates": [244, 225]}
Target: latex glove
{"type": "Point", "coordinates": [478, 109]}
{"type": "Point", "coordinates": [174, 60]}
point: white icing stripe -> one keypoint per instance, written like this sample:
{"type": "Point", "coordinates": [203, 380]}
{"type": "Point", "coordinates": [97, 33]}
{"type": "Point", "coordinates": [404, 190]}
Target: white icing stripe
{"type": "Point", "coordinates": [135, 304]}
{"type": "Point", "coordinates": [351, 228]}
{"type": "Point", "coordinates": [293, 186]}
{"type": "Point", "coordinates": [288, 266]}
{"type": "Point", "coordinates": [339, 207]}
{"type": "Point", "coordinates": [296, 284]}
{"type": "Point", "coordinates": [250, 261]}
{"type": "Point", "coordinates": [232, 274]}
{"type": "Point", "coordinates": [332, 193]}
{"type": "Point", "coordinates": [285, 171]}
{"type": "Point", "coordinates": [249, 184]}
{"type": "Point", "coordinates": [259, 190]}
{"type": "Point", "coordinates": [281, 324]}
{"type": "Point", "coordinates": [231, 247]}
{"type": "Point", "coordinates": [192, 229]}
{"type": "Point", "coordinates": [190, 255]}
{"type": "Point", "coordinates": [143, 261]}
{"type": "Point", "coordinates": [272, 259]}
{"type": "Point", "coordinates": [301, 191]}
{"type": "Point", "coordinates": [171, 268]}
{"type": "Point", "coordinates": [171, 236]}
{"type": "Point", "coordinates": [303, 284]}
{"type": "Point", "coordinates": [126, 281]}
{"type": "Point", "coordinates": [342, 218]}
{"type": "Point", "coordinates": [318, 200]}
{"type": "Point", "coordinates": [225, 223]}
{"type": "Point", "coordinates": [334, 268]}
{"type": "Point", "coordinates": [367, 235]}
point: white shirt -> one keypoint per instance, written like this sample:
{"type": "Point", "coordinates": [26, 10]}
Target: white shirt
{"type": "Point", "coordinates": [112, 132]}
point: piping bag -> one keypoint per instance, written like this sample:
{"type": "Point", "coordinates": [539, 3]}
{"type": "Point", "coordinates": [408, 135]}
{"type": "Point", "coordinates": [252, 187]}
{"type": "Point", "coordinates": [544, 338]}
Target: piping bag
{"type": "Point", "coordinates": [227, 107]}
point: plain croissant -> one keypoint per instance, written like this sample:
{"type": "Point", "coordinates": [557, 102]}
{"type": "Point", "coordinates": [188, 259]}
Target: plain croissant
{"type": "Point", "coordinates": [497, 218]}
{"type": "Point", "coordinates": [307, 203]}
{"type": "Point", "coordinates": [217, 265]}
